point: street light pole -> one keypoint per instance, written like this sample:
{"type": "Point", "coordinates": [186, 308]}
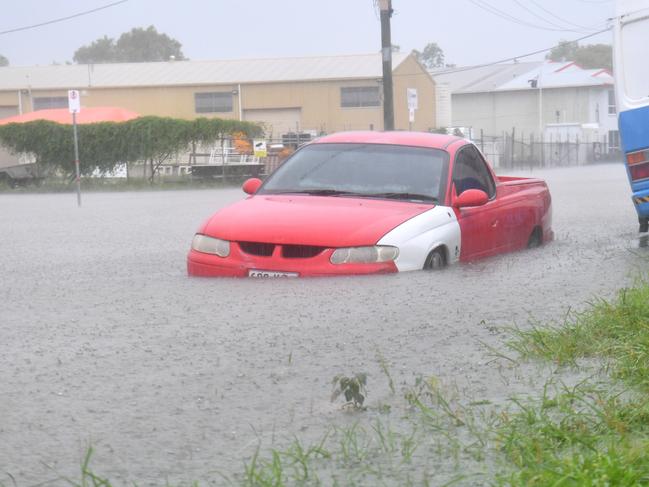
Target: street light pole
{"type": "Point", "coordinates": [540, 104]}
{"type": "Point", "coordinates": [386, 52]}
{"type": "Point", "coordinates": [76, 157]}
{"type": "Point", "coordinates": [74, 105]}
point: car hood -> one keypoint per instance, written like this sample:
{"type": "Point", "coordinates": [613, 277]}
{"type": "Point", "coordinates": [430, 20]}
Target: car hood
{"type": "Point", "coordinates": [324, 221]}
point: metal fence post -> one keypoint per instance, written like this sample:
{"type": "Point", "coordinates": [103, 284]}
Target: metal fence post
{"type": "Point", "coordinates": [531, 150]}
{"type": "Point", "coordinates": [513, 141]}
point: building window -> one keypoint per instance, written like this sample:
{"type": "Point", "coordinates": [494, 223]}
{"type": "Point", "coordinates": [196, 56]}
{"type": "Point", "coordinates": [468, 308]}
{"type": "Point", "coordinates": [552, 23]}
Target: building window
{"type": "Point", "coordinates": [612, 109]}
{"type": "Point", "coordinates": [47, 102]}
{"type": "Point", "coordinates": [613, 140]}
{"type": "Point", "coordinates": [360, 96]}
{"type": "Point", "coordinates": [213, 102]}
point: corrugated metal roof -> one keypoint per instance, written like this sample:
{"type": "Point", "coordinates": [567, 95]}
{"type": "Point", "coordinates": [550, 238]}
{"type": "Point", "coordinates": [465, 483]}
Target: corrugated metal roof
{"type": "Point", "coordinates": [517, 76]}
{"type": "Point", "coordinates": [559, 75]}
{"type": "Point", "coordinates": [472, 79]}
{"type": "Point", "coordinates": [195, 72]}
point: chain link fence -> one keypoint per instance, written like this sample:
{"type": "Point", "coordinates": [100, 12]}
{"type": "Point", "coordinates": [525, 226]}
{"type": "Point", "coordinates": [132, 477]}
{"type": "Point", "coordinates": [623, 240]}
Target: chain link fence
{"type": "Point", "coordinates": [510, 151]}
{"type": "Point", "coordinates": [236, 158]}
{"type": "Point", "coordinates": [232, 158]}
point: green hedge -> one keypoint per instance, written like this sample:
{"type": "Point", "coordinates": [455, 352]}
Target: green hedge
{"type": "Point", "coordinates": [102, 146]}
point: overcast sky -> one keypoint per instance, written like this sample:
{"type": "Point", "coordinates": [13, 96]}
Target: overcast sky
{"type": "Point", "coordinates": [226, 29]}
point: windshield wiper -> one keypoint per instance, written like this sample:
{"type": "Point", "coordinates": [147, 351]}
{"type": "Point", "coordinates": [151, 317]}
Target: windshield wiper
{"type": "Point", "coordinates": [405, 196]}
{"type": "Point", "coordinates": [338, 192]}
{"type": "Point", "coordinates": [319, 192]}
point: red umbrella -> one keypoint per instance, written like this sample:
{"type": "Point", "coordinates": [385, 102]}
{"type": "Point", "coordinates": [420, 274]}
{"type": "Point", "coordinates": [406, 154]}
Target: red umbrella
{"type": "Point", "coordinates": [86, 115]}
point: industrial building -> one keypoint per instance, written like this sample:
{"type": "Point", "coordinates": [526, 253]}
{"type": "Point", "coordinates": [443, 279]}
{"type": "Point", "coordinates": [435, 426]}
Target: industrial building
{"type": "Point", "coordinates": [301, 94]}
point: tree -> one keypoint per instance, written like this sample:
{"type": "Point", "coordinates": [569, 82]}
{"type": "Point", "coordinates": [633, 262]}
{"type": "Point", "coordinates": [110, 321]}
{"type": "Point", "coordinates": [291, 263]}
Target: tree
{"type": "Point", "coordinates": [595, 56]}
{"type": "Point", "coordinates": [100, 51]}
{"type": "Point", "coordinates": [141, 45]}
{"type": "Point", "coordinates": [564, 51]}
{"type": "Point", "coordinates": [590, 56]}
{"type": "Point", "coordinates": [4, 61]}
{"type": "Point", "coordinates": [136, 46]}
{"type": "Point", "coordinates": [432, 56]}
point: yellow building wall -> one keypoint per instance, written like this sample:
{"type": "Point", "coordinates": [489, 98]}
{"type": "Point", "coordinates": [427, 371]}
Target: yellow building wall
{"type": "Point", "coordinates": [9, 98]}
{"type": "Point", "coordinates": [319, 101]}
{"type": "Point", "coordinates": [410, 74]}
{"type": "Point", "coordinates": [171, 101]}
{"type": "Point", "coordinates": [10, 102]}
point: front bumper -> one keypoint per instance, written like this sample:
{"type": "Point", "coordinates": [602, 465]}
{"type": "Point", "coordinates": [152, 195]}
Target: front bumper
{"type": "Point", "coordinates": [237, 264]}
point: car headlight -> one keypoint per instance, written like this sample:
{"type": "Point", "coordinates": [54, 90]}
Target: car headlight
{"type": "Point", "coordinates": [211, 245]}
{"type": "Point", "coordinates": [364, 255]}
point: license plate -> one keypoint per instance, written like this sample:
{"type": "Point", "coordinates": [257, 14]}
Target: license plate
{"type": "Point", "coordinates": [269, 274]}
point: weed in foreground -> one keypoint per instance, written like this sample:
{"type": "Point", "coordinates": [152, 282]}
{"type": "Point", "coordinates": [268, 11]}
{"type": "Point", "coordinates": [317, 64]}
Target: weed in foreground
{"type": "Point", "coordinates": [285, 467]}
{"type": "Point", "coordinates": [352, 388]}
{"type": "Point", "coordinates": [383, 363]}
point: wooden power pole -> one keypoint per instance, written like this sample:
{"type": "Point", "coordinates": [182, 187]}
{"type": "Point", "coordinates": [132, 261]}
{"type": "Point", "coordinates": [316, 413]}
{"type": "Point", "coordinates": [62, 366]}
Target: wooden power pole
{"type": "Point", "coordinates": [386, 51]}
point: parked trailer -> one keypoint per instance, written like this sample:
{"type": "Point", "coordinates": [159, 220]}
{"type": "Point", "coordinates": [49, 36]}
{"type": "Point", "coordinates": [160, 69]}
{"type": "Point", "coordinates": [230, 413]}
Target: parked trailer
{"type": "Point", "coordinates": [20, 175]}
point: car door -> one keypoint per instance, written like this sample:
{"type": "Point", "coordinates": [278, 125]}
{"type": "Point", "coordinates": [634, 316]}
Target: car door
{"type": "Point", "coordinates": [515, 218]}
{"type": "Point", "coordinates": [479, 226]}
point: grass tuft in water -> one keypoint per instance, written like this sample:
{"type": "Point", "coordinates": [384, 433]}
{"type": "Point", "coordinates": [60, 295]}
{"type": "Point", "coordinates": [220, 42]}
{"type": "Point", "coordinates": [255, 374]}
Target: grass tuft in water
{"type": "Point", "coordinates": [579, 436]}
{"type": "Point", "coordinates": [590, 434]}
{"type": "Point", "coordinates": [617, 331]}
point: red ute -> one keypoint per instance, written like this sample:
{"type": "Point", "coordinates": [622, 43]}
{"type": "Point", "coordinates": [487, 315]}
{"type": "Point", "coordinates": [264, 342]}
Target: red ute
{"type": "Point", "coordinates": [373, 202]}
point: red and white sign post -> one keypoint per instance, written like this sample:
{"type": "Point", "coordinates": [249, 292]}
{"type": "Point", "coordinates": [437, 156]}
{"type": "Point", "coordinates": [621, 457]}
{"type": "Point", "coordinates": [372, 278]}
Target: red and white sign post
{"type": "Point", "coordinates": [74, 105]}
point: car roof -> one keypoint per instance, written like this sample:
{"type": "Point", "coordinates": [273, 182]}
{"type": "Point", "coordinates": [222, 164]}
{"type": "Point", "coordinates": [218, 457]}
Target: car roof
{"type": "Point", "coordinates": [415, 139]}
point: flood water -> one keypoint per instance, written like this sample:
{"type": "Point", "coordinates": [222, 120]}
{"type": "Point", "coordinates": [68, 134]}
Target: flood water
{"type": "Point", "coordinates": [106, 341]}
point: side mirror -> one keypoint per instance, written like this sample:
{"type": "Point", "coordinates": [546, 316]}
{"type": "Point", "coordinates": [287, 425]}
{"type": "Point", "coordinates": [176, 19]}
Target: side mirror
{"type": "Point", "coordinates": [471, 197]}
{"type": "Point", "coordinates": [251, 185]}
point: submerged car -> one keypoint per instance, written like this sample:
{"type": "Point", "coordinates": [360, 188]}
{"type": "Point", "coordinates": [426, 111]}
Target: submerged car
{"type": "Point", "coordinates": [371, 203]}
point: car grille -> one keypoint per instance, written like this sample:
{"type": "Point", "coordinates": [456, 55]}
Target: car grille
{"type": "Point", "coordinates": [301, 251]}
{"type": "Point", "coordinates": [257, 248]}
{"type": "Point", "coordinates": [262, 249]}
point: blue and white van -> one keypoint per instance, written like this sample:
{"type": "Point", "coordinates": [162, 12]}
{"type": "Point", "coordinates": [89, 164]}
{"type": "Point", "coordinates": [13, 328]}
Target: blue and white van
{"type": "Point", "coordinates": [631, 71]}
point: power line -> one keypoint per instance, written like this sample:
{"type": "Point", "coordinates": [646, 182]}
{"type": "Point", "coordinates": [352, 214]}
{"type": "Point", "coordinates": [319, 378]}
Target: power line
{"type": "Point", "coordinates": [538, 16]}
{"type": "Point", "coordinates": [514, 58]}
{"type": "Point", "coordinates": [561, 19]}
{"type": "Point", "coordinates": [54, 21]}
{"type": "Point", "coordinates": [483, 4]}
{"type": "Point", "coordinates": [504, 15]}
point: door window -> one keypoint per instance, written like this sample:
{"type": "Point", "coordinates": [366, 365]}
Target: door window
{"type": "Point", "coordinates": [470, 172]}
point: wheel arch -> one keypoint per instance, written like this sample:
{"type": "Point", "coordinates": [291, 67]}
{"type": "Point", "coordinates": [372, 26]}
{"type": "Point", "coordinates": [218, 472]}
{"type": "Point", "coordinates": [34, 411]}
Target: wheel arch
{"type": "Point", "coordinates": [444, 251]}
{"type": "Point", "coordinates": [536, 237]}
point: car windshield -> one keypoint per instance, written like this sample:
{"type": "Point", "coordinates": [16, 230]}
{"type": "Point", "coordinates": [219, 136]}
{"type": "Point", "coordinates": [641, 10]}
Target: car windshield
{"type": "Point", "coordinates": [365, 170]}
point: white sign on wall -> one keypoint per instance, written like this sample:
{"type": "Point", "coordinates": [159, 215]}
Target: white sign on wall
{"type": "Point", "coordinates": [74, 101]}
{"type": "Point", "coordinates": [413, 102]}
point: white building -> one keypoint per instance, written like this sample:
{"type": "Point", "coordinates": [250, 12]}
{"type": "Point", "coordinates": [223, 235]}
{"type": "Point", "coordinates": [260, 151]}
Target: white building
{"type": "Point", "coordinates": [555, 101]}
